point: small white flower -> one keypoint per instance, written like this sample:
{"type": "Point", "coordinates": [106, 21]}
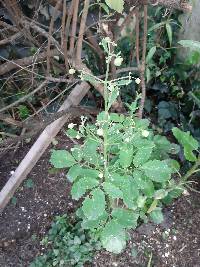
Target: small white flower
{"type": "Point", "coordinates": [137, 80]}
{"type": "Point", "coordinates": [78, 136]}
{"type": "Point", "coordinates": [71, 125]}
{"type": "Point", "coordinates": [111, 87]}
{"type": "Point", "coordinates": [118, 61]}
{"type": "Point", "coordinates": [100, 175]}
{"type": "Point", "coordinates": [174, 237]}
{"type": "Point", "coordinates": [100, 132]}
{"type": "Point", "coordinates": [72, 71]}
{"type": "Point", "coordinates": [145, 133]}
{"type": "Point", "coordinates": [107, 39]}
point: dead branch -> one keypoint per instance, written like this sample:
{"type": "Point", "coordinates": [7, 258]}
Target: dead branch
{"type": "Point", "coordinates": [143, 64]}
{"type": "Point", "coordinates": [11, 39]}
{"type": "Point", "coordinates": [42, 32]}
{"type": "Point", "coordinates": [50, 34]}
{"type": "Point", "coordinates": [34, 126]}
{"type": "Point", "coordinates": [26, 61]}
{"type": "Point", "coordinates": [175, 4]}
{"type": "Point", "coordinates": [63, 35]}
{"type": "Point", "coordinates": [40, 146]}
{"type": "Point", "coordinates": [22, 99]}
{"type": "Point", "coordinates": [82, 31]}
{"type": "Point", "coordinates": [74, 27]}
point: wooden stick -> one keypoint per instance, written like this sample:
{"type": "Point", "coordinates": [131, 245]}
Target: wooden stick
{"type": "Point", "coordinates": [82, 31]}
{"type": "Point", "coordinates": [40, 146]}
{"type": "Point", "coordinates": [143, 64]}
{"type": "Point", "coordinates": [23, 62]}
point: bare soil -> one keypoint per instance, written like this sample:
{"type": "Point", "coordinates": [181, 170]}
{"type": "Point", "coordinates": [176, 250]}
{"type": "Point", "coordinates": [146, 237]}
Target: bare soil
{"type": "Point", "coordinates": [27, 218]}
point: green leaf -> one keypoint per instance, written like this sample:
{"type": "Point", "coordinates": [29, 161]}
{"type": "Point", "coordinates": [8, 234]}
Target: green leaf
{"type": "Point", "coordinates": [62, 159]}
{"type": "Point", "coordinates": [157, 215]}
{"type": "Point", "coordinates": [160, 194]}
{"type": "Point", "coordinates": [195, 98]}
{"type": "Point", "coordinates": [113, 237]}
{"type": "Point", "coordinates": [117, 5]}
{"type": "Point", "coordinates": [93, 224]}
{"type": "Point", "coordinates": [157, 170]}
{"type": "Point", "coordinates": [130, 193]}
{"type": "Point", "coordinates": [139, 179]}
{"type": "Point", "coordinates": [73, 173]}
{"type": "Point", "coordinates": [29, 183]}
{"type": "Point", "coordinates": [148, 189]}
{"type": "Point", "coordinates": [112, 190]}
{"type": "Point", "coordinates": [141, 201]}
{"type": "Point", "coordinates": [169, 32]}
{"type": "Point", "coordinates": [77, 171]}
{"type": "Point", "coordinates": [123, 82]}
{"type": "Point", "coordinates": [150, 54]}
{"type": "Point", "coordinates": [104, 7]}
{"type": "Point", "coordinates": [89, 78]}
{"type": "Point", "coordinates": [95, 206]}
{"type": "Point", "coordinates": [188, 142]}
{"type": "Point", "coordinates": [90, 151]}
{"type": "Point", "coordinates": [157, 26]}
{"type": "Point", "coordinates": [126, 218]}
{"type": "Point", "coordinates": [77, 152]}
{"type": "Point", "coordinates": [90, 173]}
{"type": "Point", "coordinates": [112, 97]}
{"type": "Point", "coordinates": [115, 117]}
{"type": "Point", "coordinates": [148, 74]}
{"type": "Point", "coordinates": [173, 164]}
{"type": "Point", "coordinates": [71, 133]}
{"type": "Point", "coordinates": [81, 186]}
{"type": "Point", "coordinates": [142, 155]}
{"type": "Point", "coordinates": [190, 44]}
{"type": "Point", "coordinates": [126, 156]}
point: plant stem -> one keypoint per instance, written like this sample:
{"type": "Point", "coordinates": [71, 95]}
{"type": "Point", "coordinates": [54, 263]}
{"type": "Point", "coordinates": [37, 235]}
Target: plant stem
{"type": "Point", "coordinates": [192, 170]}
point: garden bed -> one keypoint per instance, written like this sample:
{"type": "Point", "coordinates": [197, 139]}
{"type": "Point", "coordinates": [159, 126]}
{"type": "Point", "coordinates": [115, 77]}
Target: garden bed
{"type": "Point", "coordinates": [27, 218]}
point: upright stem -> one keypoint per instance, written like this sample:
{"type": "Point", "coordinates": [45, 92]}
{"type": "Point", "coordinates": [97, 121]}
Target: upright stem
{"type": "Point", "coordinates": [105, 136]}
{"type": "Point", "coordinates": [192, 170]}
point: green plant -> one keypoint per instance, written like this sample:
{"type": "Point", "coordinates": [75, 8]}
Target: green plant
{"type": "Point", "coordinates": [67, 244]}
{"type": "Point", "coordinates": [122, 171]}
{"type": "Point", "coordinates": [29, 183]}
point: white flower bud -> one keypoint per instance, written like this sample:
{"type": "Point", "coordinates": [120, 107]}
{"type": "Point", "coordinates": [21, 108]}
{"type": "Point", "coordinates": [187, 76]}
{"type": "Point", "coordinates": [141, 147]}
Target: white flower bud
{"type": "Point", "coordinates": [137, 80]}
{"type": "Point", "coordinates": [107, 39]}
{"type": "Point", "coordinates": [118, 61]}
{"type": "Point", "coordinates": [100, 132]}
{"type": "Point", "coordinates": [71, 125]}
{"type": "Point", "coordinates": [72, 71]}
{"type": "Point", "coordinates": [100, 175]}
{"type": "Point", "coordinates": [78, 136]}
{"type": "Point", "coordinates": [145, 133]}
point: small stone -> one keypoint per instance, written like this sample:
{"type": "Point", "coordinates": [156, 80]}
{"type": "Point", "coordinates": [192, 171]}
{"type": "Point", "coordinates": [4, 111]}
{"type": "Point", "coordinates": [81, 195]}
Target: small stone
{"type": "Point", "coordinates": [167, 254]}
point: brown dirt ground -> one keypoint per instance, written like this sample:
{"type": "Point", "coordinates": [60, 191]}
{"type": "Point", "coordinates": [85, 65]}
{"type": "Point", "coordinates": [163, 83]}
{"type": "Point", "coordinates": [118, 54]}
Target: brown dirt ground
{"type": "Point", "coordinates": [175, 243]}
